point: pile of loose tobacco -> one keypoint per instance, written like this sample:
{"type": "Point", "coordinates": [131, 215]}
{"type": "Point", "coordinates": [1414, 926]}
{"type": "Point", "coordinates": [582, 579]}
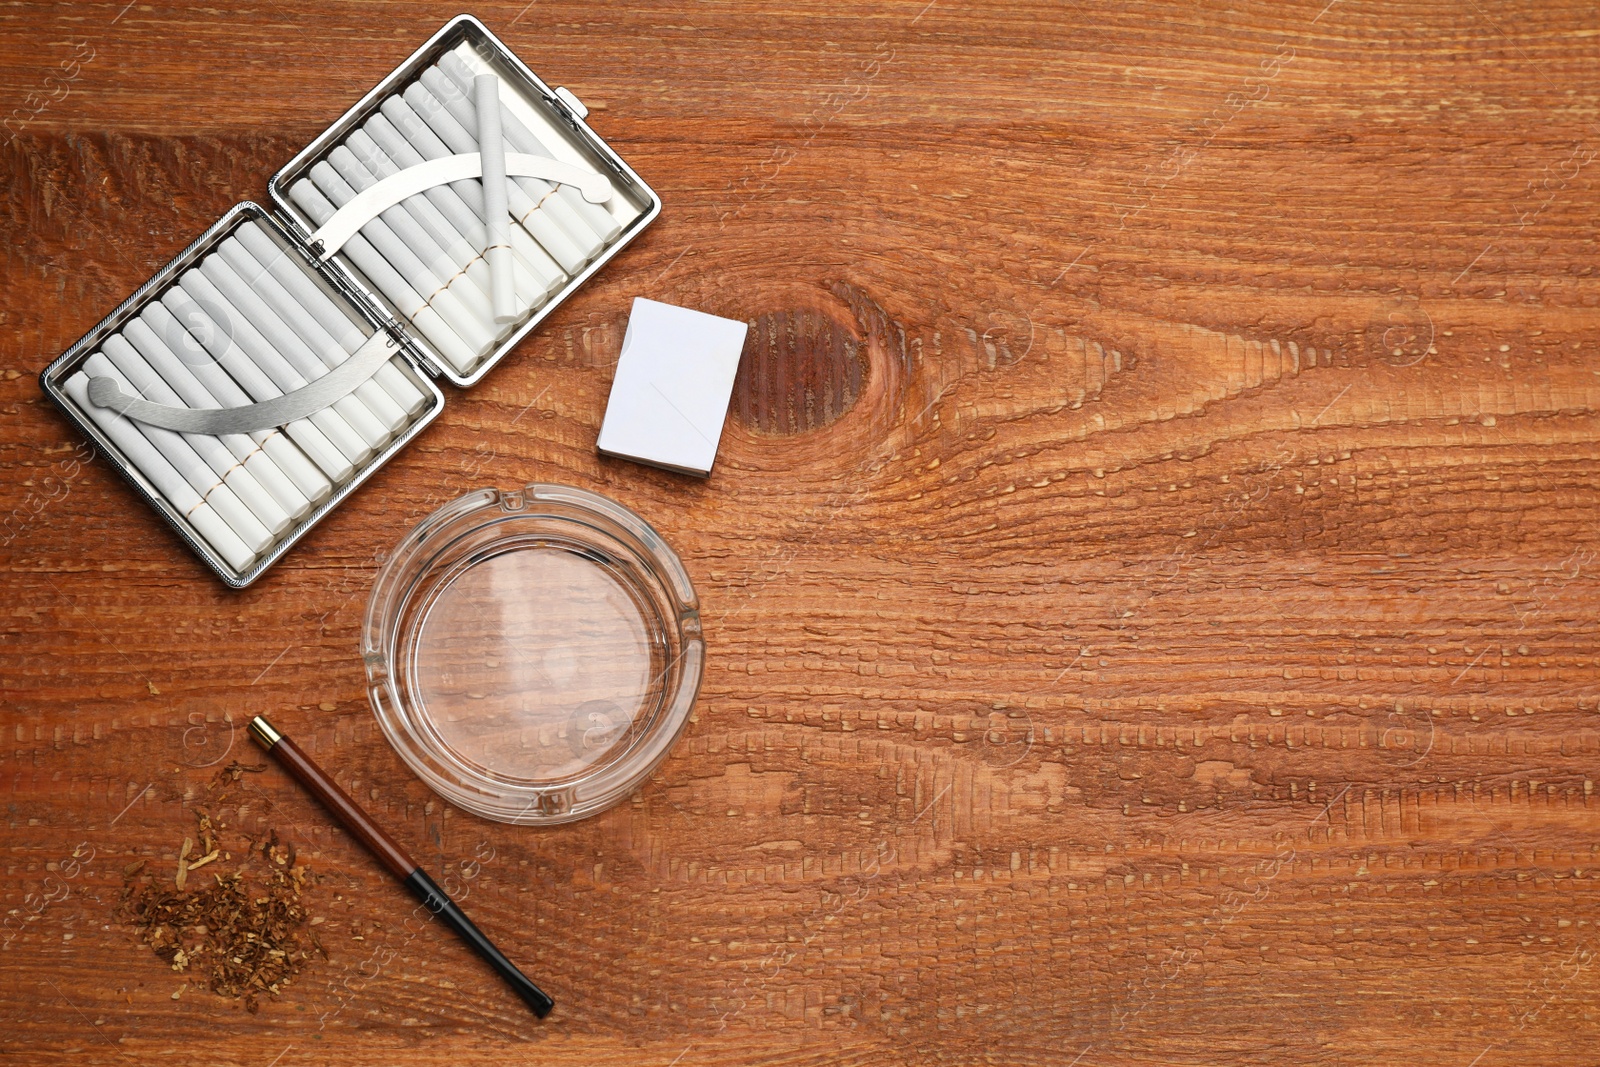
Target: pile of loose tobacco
{"type": "Point", "coordinates": [244, 932]}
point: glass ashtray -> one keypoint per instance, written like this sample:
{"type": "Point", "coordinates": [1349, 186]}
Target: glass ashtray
{"type": "Point", "coordinates": [533, 655]}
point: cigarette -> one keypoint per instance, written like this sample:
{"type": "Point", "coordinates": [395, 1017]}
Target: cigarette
{"type": "Point", "coordinates": [182, 389]}
{"type": "Point", "coordinates": [236, 367]}
{"type": "Point", "coordinates": [217, 492]}
{"type": "Point", "coordinates": [348, 175]}
{"type": "Point", "coordinates": [292, 353]}
{"type": "Point", "coordinates": [168, 483]}
{"type": "Point", "coordinates": [461, 70]}
{"type": "Point", "coordinates": [263, 358]}
{"type": "Point", "coordinates": [492, 149]}
{"type": "Point", "coordinates": [526, 210]}
{"type": "Point", "coordinates": [315, 300]}
{"type": "Point", "coordinates": [409, 140]}
{"type": "Point", "coordinates": [212, 453]}
{"type": "Point", "coordinates": [325, 352]}
{"type": "Point", "coordinates": [204, 384]}
{"type": "Point", "coordinates": [385, 151]}
{"type": "Point", "coordinates": [442, 213]}
{"type": "Point", "coordinates": [468, 326]}
{"type": "Point", "coordinates": [360, 163]}
{"type": "Point", "coordinates": [448, 343]}
{"type": "Point", "coordinates": [401, 241]}
{"type": "Point", "coordinates": [462, 106]}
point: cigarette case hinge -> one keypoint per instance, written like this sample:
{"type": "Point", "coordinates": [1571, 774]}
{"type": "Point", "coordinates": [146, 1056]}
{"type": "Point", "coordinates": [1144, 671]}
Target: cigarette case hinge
{"type": "Point", "coordinates": [410, 348]}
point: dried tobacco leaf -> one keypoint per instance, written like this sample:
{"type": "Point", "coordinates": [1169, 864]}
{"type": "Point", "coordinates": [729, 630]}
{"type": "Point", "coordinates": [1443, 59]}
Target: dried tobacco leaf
{"type": "Point", "coordinates": [244, 933]}
{"type": "Point", "coordinates": [183, 861]}
{"type": "Point", "coordinates": [234, 771]}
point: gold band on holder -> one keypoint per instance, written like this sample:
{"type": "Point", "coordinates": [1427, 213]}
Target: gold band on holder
{"type": "Point", "coordinates": [263, 732]}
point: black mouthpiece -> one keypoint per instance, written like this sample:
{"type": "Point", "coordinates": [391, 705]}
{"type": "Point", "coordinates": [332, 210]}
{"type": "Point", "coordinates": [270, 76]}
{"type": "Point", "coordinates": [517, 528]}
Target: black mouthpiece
{"type": "Point", "coordinates": [434, 899]}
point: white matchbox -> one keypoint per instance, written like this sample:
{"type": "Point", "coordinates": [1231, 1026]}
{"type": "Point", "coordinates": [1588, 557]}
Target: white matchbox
{"type": "Point", "coordinates": [669, 397]}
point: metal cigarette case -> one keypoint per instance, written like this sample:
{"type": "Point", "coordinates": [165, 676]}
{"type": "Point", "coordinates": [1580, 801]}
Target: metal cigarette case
{"type": "Point", "coordinates": [555, 115]}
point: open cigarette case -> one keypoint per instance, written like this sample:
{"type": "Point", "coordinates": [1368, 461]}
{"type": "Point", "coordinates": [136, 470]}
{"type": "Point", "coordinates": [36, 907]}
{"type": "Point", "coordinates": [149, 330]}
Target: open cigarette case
{"type": "Point", "coordinates": [258, 378]}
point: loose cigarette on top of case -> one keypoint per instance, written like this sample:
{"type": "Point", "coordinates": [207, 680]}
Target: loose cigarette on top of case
{"type": "Point", "coordinates": [163, 476]}
{"type": "Point", "coordinates": [203, 384]}
{"type": "Point", "coordinates": [462, 106]}
{"type": "Point", "coordinates": [401, 259]}
{"type": "Point", "coordinates": [492, 146]}
{"type": "Point", "coordinates": [385, 151]}
{"type": "Point", "coordinates": [401, 131]}
{"type": "Point", "coordinates": [134, 371]}
{"type": "Point", "coordinates": [441, 213]}
{"type": "Point", "coordinates": [185, 390]}
{"type": "Point", "coordinates": [446, 341]}
{"type": "Point", "coordinates": [215, 491]}
{"type": "Point", "coordinates": [289, 353]}
{"type": "Point", "coordinates": [236, 367]}
{"type": "Point", "coordinates": [527, 211]}
{"type": "Point", "coordinates": [312, 352]}
{"type": "Point", "coordinates": [462, 71]}
{"type": "Point", "coordinates": [345, 333]}
{"type": "Point", "coordinates": [459, 107]}
{"type": "Point", "coordinates": [407, 225]}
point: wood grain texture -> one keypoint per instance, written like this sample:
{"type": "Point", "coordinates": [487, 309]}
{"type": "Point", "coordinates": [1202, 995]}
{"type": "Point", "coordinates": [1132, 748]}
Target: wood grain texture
{"type": "Point", "coordinates": [1150, 573]}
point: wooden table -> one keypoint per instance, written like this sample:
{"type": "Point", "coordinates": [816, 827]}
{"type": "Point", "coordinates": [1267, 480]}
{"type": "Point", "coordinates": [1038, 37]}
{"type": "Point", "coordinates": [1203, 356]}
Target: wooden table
{"type": "Point", "coordinates": [1149, 574]}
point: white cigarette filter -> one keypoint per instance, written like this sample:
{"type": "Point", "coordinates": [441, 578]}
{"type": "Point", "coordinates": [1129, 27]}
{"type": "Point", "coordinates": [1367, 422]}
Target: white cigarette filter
{"type": "Point", "coordinates": [312, 299]}
{"type": "Point", "coordinates": [460, 352]}
{"type": "Point", "coordinates": [234, 378]}
{"type": "Point", "coordinates": [185, 390]}
{"type": "Point", "coordinates": [492, 149]}
{"type": "Point", "coordinates": [460, 70]}
{"type": "Point", "coordinates": [409, 140]}
{"type": "Point", "coordinates": [135, 372]}
{"type": "Point", "coordinates": [163, 476]}
{"type": "Point", "coordinates": [213, 490]}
